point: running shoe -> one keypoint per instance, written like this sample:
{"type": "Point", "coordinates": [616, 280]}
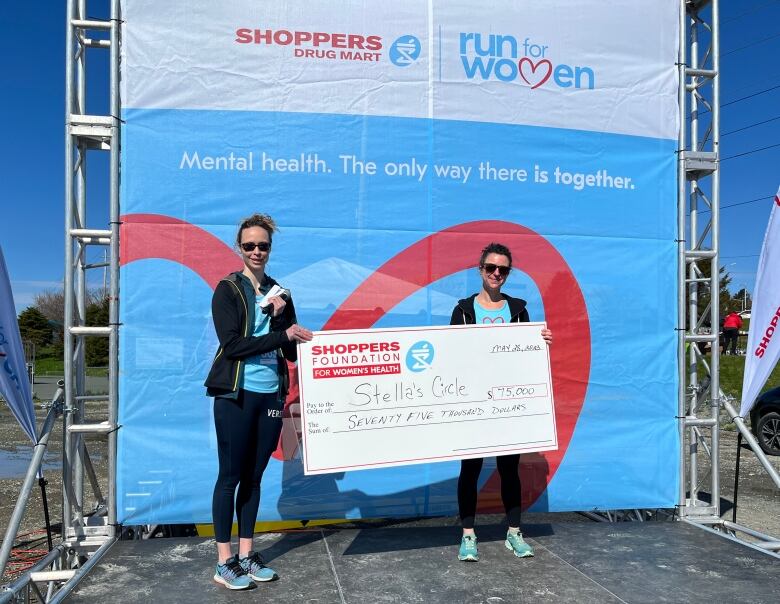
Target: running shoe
{"type": "Point", "coordinates": [468, 549]}
{"type": "Point", "coordinates": [255, 567]}
{"type": "Point", "coordinates": [232, 575]}
{"type": "Point", "coordinates": [521, 549]}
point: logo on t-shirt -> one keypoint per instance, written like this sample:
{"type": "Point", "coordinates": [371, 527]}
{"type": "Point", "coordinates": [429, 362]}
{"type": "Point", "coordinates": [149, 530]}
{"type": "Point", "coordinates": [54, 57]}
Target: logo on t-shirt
{"type": "Point", "coordinates": [493, 320]}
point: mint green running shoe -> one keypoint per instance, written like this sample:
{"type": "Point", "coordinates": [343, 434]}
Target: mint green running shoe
{"type": "Point", "coordinates": [255, 567]}
{"type": "Point", "coordinates": [514, 542]}
{"type": "Point", "coordinates": [468, 549]}
{"type": "Point", "coordinates": [231, 575]}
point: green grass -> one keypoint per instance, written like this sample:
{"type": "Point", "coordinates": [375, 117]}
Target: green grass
{"type": "Point", "coordinates": [731, 372]}
{"type": "Point", "coordinates": [56, 367]}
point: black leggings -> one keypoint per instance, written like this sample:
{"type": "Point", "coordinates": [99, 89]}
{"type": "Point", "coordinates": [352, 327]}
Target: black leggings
{"type": "Point", "coordinates": [730, 336]}
{"type": "Point", "coordinates": [510, 488]}
{"type": "Point", "coordinates": [248, 431]}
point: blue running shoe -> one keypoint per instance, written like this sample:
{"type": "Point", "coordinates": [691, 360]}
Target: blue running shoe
{"type": "Point", "coordinates": [232, 576]}
{"type": "Point", "coordinates": [255, 567]}
{"type": "Point", "coordinates": [521, 549]}
{"type": "Point", "coordinates": [468, 549]}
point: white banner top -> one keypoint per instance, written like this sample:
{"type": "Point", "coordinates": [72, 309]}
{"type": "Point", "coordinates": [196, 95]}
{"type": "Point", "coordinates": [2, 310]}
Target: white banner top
{"type": "Point", "coordinates": [388, 397]}
{"type": "Point", "coordinates": [511, 62]}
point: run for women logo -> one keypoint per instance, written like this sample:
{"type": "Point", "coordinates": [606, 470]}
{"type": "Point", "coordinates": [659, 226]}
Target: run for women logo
{"type": "Point", "coordinates": [523, 61]}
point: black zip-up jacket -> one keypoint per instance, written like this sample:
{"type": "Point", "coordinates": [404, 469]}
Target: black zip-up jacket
{"type": "Point", "coordinates": [463, 313]}
{"type": "Point", "coordinates": [233, 311]}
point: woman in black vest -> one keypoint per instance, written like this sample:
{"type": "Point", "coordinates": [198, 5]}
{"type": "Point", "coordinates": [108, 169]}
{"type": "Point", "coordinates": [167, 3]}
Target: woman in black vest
{"type": "Point", "coordinates": [490, 306]}
{"type": "Point", "coordinates": [258, 333]}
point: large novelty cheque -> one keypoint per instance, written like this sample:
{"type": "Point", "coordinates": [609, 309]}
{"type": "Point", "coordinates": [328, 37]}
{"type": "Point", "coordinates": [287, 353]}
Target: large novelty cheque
{"type": "Point", "coordinates": [390, 397]}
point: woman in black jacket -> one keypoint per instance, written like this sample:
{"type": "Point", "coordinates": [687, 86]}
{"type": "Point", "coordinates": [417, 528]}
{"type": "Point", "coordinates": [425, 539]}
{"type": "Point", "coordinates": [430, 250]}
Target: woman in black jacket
{"type": "Point", "coordinates": [490, 306]}
{"type": "Point", "coordinates": [258, 333]}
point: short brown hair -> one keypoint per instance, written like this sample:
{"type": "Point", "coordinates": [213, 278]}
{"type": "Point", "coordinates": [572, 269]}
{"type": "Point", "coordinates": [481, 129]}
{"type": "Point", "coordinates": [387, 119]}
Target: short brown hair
{"type": "Point", "coordinates": [495, 248]}
{"type": "Point", "coordinates": [257, 220]}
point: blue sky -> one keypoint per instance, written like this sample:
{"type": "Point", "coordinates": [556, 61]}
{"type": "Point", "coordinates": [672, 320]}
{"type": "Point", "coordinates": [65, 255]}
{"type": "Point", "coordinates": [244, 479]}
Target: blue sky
{"type": "Point", "coordinates": [32, 171]}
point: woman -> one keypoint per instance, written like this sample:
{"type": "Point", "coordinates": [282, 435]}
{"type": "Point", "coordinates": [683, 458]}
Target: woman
{"type": "Point", "coordinates": [491, 306]}
{"type": "Point", "coordinates": [248, 378]}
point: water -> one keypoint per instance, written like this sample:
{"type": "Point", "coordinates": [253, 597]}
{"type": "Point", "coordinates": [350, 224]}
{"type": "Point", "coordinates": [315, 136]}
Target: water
{"type": "Point", "coordinates": [14, 463]}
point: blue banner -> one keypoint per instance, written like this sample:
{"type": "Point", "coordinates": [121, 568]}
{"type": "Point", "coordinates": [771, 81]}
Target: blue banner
{"type": "Point", "coordinates": [14, 383]}
{"type": "Point", "coordinates": [387, 175]}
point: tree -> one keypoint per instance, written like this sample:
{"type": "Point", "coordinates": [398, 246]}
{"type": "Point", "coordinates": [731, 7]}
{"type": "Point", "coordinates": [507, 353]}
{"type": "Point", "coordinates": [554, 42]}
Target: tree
{"type": "Point", "coordinates": [96, 351]}
{"type": "Point", "coordinates": [34, 327]}
{"type": "Point", "coordinates": [742, 300]}
{"type": "Point", "coordinates": [724, 296]}
{"type": "Point", "coordinates": [51, 302]}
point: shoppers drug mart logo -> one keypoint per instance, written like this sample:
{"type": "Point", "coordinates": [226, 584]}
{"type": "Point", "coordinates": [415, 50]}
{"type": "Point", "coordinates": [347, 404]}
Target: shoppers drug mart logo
{"type": "Point", "coordinates": [509, 59]}
{"type": "Point", "coordinates": [315, 45]}
{"type": "Point", "coordinates": [420, 356]}
{"type": "Point", "coordinates": [405, 51]}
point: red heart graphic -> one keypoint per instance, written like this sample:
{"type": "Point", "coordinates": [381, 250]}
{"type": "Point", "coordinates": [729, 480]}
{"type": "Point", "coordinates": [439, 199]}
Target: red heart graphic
{"type": "Point", "coordinates": [530, 63]}
{"type": "Point", "coordinates": [430, 259]}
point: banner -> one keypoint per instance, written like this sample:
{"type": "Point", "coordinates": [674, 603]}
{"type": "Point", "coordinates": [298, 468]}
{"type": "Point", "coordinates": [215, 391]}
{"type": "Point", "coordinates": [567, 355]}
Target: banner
{"type": "Point", "coordinates": [391, 142]}
{"type": "Point", "coordinates": [14, 383]}
{"type": "Point", "coordinates": [763, 349]}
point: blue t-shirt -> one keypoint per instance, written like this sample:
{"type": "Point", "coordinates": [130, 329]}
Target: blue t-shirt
{"type": "Point", "coordinates": [485, 316]}
{"type": "Point", "coordinates": [260, 370]}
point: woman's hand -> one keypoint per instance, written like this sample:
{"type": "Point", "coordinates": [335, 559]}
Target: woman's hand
{"type": "Point", "coordinates": [297, 333]}
{"type": "Point", "coordinates": [547, 336]}
{"type": "Point", "coordinates": [278, 304]}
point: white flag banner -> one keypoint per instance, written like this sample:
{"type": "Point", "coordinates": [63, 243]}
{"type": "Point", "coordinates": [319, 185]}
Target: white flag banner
{"type": "Point", "coordinates": [763, 349]}
{"type": "Point", "coordinates": [14, 385]}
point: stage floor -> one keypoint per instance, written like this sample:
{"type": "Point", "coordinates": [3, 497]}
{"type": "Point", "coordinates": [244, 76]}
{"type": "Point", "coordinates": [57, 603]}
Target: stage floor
{"type": "Point", "coordinates": [409, 562]}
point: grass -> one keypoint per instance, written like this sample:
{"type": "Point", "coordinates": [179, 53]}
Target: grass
{"type": "Point", "coordinates": [731, 371]}
{"type": "Point", "coordinates": [54, 366]}
{"type": "Point", "coordinates": [732, 368]}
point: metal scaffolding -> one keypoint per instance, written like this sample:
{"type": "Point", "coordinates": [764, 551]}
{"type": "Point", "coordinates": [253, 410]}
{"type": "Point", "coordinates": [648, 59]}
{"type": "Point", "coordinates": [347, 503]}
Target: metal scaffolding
{"type": "Point", "coordinates": [698, 181]}
{"type": "Point", "coordinates": [84, 528]}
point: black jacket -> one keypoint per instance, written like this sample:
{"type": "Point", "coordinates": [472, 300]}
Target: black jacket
{"type": "Point", "coordinates": [233, 311]}
{"type": "Point", "coordinates": [463, 313]}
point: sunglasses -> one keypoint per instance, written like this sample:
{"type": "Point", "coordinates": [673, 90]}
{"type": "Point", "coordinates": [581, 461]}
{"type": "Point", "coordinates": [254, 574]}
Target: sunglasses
{"type": "Point", "coordinates": [491, 268]}
{"type": "Point", "coordinates": [249, 246]}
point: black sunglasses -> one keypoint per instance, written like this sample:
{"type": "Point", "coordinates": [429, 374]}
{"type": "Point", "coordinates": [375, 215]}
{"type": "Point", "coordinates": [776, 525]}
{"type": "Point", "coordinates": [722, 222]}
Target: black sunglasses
{"type": "Point", "coordinates": [249, 246]}
{"type": "Point", "coordinates": [491, 268]}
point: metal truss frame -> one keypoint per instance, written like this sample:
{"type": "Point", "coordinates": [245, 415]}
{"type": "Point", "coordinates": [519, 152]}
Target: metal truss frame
{"type": "Point", "coordinates": [85, 528]}
{"type": "Point", "coordinates": [698, 181]}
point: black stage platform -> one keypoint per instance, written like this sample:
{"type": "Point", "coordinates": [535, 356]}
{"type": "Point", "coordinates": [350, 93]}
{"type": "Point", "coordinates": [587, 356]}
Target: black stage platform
{"type": "Point", "coordinates": [415, 562]}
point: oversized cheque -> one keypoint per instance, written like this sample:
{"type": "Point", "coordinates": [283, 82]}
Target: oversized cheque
{"type": "Point", "coordinates": [387, 397]}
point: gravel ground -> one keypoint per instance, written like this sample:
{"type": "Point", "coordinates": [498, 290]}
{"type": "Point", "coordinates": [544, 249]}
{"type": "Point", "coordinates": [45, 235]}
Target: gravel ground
{"type": "Point", "coordinates": [758, 504]}
{"type": "Point", "coordinates": [15, 455]}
